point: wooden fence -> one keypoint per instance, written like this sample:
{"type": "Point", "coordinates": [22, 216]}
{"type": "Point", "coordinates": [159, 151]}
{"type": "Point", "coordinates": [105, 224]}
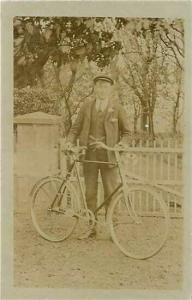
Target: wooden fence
{"type": "Point", "coordinates": [156, 162]}
{"type": "Point", "coordinates": [159, 163]}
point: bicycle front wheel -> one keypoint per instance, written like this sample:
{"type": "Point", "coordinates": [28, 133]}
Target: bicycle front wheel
{"type": "Point", "coordinates": [139, 224]}
{"type": "Point", "coordinates": [54, 220]}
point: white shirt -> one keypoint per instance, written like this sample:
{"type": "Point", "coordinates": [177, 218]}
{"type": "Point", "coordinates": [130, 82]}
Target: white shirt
{"type": "Point", "coordinates": [101, 105]}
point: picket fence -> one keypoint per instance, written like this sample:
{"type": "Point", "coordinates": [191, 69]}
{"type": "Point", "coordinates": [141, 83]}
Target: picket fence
{"type": "Point", "coordinates": [157, 162]}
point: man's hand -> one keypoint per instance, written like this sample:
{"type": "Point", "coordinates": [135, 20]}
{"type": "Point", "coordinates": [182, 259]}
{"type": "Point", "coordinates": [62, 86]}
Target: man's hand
{"type": "Point", "coordinates": [120, 146]}
{"type": "Point", "coordinates": [130, 156]}
{"type": "Point", "coordinates": [68, 147]}
{"type": "Point", "coordinates": [97, 145]}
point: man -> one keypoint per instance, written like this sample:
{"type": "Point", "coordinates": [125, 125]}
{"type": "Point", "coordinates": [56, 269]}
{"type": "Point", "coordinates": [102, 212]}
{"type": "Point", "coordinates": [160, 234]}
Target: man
{"type": "Point", "coordinates": [100, 120]}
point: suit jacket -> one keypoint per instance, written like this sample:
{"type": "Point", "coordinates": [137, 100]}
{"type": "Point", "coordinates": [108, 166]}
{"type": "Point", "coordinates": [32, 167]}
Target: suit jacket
{"type": "Point", "coordinates": [116, 125]}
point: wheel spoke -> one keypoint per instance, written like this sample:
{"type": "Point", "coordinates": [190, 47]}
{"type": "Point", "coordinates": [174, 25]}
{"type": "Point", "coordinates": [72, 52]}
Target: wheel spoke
{"type": "Point", "coordinates": [53, 224]}
{"type": "Point", "coordinates": [139, 225]}
{"type": "Point", "coordinates": [46, 193]}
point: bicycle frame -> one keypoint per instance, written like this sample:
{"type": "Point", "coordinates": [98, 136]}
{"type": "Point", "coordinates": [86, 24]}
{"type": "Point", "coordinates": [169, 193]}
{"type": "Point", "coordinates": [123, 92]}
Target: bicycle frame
{"type": "Point", "coordinates": [75, 167]}
{"type": "Point", "coordinates": [121, 187]}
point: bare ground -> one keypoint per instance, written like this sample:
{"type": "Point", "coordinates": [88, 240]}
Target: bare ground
{"type": "Point", "coordinates": [92, 263]}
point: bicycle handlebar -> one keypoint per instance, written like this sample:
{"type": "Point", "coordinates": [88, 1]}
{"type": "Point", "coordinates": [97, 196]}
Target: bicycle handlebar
{"type": "Point", "coordinates": [80, 149]}
{"type": "Point", "coordinates": [115, 149]}
{"type": "Point", "coordinates": [76, 150]}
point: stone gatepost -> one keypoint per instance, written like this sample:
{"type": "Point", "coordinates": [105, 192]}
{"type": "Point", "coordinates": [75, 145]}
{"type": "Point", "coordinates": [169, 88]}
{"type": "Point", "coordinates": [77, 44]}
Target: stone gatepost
{"type": "Point", "coordinates": [36, 151]}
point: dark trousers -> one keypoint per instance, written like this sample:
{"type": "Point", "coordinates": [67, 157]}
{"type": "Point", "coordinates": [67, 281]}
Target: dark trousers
{"type": "Point", "coordinates": [109, 175]}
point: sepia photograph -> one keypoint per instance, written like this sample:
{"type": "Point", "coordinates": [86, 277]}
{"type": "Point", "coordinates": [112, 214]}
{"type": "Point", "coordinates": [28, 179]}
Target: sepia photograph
{"type": "Point", "coordinates": [99, 132]}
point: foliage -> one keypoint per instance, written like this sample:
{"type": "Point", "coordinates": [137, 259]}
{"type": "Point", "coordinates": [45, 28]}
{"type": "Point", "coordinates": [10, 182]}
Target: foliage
{"type": "Point", "coordinates": [28, 100]}
{"type": "Point", "coordinates": [144, 55]}
{"type": "Point", "coordinates": [146, 60]}
{"type": "Point", "coordinates": [64, 39]}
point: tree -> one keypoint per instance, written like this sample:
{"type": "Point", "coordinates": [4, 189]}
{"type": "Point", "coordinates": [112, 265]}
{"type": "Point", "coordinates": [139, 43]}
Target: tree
{"type": "Point", "coordinates": [145, 57]}
{"type": "Point", "coordinates": [172, 93]}
{"type": "Point", "coordinates": [142, 74]}
{"type": "Point", "coordinates": [137, 52]}
{"type": "Point", "coordinates": [172, 37]}
{"type": "Point", "coordinates": [65, 40]}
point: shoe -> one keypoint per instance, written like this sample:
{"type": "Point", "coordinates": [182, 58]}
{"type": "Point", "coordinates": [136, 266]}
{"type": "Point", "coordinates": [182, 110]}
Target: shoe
{"type": "Point", "coordinates": [90, 233]}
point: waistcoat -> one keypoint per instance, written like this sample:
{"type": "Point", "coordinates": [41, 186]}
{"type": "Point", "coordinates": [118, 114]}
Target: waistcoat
{"type": "Point", "coordinates": [97, 130]}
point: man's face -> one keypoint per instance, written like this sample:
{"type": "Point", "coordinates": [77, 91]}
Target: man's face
{"type": "Point", "coordinates": [102, 89]}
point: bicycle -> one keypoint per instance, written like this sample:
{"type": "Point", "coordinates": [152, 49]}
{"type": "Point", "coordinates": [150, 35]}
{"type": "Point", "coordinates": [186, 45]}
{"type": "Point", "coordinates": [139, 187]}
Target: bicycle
{"type": "Point", "coordinates": [139, 233]}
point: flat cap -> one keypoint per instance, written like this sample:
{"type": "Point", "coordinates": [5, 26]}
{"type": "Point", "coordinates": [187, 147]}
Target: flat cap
{"type": "Point", "coordinates": [103, 78]}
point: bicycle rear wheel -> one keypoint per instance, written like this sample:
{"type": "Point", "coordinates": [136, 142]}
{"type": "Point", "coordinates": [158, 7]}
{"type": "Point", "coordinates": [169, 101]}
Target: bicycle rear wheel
{"type": "Point", "coordinates": [139, 224]}
{"type": "Point", "coordinates": [58, 222]}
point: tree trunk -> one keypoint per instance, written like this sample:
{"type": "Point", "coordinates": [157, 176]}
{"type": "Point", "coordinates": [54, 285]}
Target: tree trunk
{"type": "Point", "coordinates": [175, 116]}
{"type": "Point", "coordinates": [151, 124]}
{"type": "Point", "coordinates": [174, 125]}
{"type": "Point", "coordinates": [65, 95]}
{"type": "Point", "coordinates": [144, 118]}
{"type": "Point", "coordinates": [135, 124]}
{"type": "Point", "coordinates": [147, 122]}
{"type": "Point", "coordinates": [176, 107]}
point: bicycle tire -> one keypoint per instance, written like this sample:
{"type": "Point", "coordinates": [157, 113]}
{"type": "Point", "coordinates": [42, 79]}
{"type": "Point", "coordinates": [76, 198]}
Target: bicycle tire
{"type": "Point", "coordinates": [54, 226]}
{"type": "Point", "coordinates": [143, 240]}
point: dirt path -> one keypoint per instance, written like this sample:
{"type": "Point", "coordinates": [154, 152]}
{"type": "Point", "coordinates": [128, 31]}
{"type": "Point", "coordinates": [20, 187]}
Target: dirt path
{"type": "Point", "coordinates": [92, 263]}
